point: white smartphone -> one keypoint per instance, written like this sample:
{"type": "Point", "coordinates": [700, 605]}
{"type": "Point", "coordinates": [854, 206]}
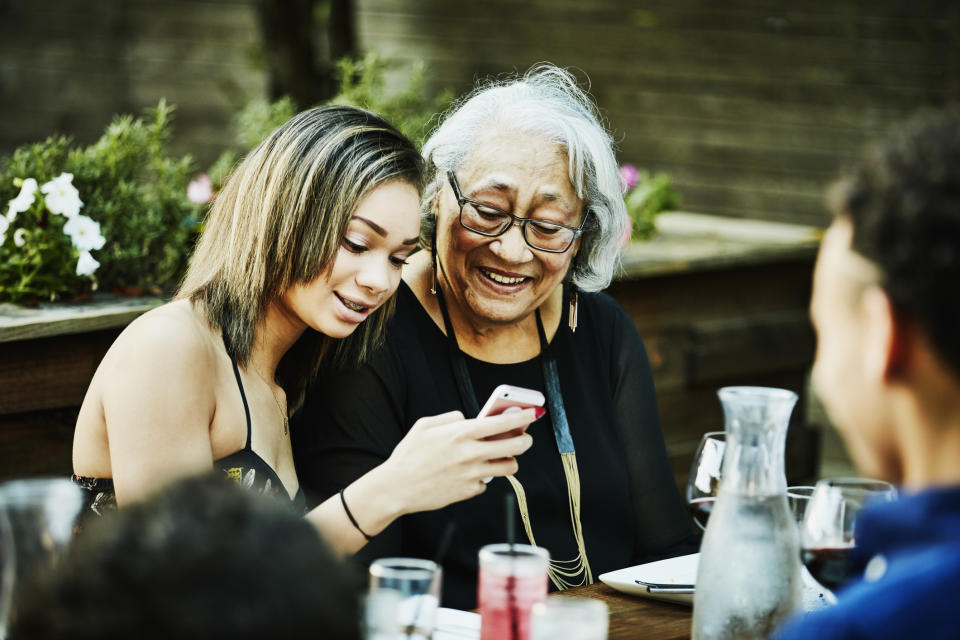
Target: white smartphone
{"type": "Point", "coordinates": [509, 399]}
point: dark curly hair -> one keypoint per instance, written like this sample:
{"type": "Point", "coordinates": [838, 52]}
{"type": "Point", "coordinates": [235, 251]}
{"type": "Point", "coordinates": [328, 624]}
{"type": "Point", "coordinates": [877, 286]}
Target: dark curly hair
{"type": "Point", "coordinates": [202, 559]}
{"type": "Point", "coordinates": [904, 204]}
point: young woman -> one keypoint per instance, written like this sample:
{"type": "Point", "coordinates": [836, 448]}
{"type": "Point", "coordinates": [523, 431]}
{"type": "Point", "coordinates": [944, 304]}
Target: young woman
{"type": "Point", "coordinates": [303, 246]}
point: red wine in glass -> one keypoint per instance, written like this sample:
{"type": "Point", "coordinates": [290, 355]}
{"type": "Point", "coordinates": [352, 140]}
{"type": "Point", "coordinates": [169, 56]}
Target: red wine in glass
{"type": "Point", "coordinates": [830, 566]}
{"type": "Point", "coordinates": [700, 509]}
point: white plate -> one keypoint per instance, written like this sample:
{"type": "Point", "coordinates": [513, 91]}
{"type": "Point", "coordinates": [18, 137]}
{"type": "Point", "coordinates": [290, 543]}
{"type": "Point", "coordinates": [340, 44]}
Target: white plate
{"type": "Point", "coordinates": [681, 570]}
{"type": "Point", "coordinates": [454, 624]}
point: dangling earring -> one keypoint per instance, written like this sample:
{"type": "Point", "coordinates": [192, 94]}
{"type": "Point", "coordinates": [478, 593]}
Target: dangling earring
{"type": "Point", "coordinates": [572, 313]}
{"type": "Point", "coordinates": [433, 250]}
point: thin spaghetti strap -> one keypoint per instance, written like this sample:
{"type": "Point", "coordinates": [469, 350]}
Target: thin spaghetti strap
{"type": "Point", "coordinates": [243, 395]}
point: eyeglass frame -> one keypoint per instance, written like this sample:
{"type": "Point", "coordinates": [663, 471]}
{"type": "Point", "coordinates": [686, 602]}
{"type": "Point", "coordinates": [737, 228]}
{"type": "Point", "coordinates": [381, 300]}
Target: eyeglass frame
{"type": "Point", "coordinates": [514, 220]}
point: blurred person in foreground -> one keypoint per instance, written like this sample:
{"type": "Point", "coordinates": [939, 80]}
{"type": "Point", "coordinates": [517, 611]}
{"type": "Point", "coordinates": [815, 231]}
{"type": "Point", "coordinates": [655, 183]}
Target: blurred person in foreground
{"type": "Point", "coordinates": [522, 220]}
{"type": "Point", "coordinates": [201, 559]}
{"type": "Point", "coordinates": [886, 308]}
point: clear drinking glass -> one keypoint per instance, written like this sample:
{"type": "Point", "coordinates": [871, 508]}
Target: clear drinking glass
{"type": "Point", "coordinates": [827, 535]}
{"type": "Point", "coordinates": [798, 497]}
{"type": "Point", "coordinates": [7, 570]}
{"type": "Point", "coordinates": [417, 584]}
{"type": "Point", "coordinates": [513, 578]}
{"type": "Point", "coordinates": [748, 577]}
{"type": "Point", "coordinates": [570, 619]}
{"type": "Point", "coordinates": [703, 483]}
{"type": "Point", "coordinates": [379, 615]}
{"type": "Point", "coordinates": [41, 513]}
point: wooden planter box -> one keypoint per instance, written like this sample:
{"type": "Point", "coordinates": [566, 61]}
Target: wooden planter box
{"type": "Point", "coordinates": [719, 302]}
{"type": "Point", "coordinates": [48, 355]}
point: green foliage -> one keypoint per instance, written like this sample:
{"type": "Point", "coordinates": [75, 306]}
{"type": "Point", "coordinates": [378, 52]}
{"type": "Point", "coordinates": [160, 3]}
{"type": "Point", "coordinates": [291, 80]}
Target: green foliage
{"type": "Point", "coordinates": [259, 118]}
{"type": "Point", "coordinates": [652, 194]}
{"type": "Point", "coordinates": [128, 185]}
{"type": "Point", "coordinates": [251, 126]}
{"type": "Point", "coordinates": [363, 84]}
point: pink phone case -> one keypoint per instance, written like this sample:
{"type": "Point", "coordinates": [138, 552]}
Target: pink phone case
{"type": "Point", "coordinates": [507, 399]}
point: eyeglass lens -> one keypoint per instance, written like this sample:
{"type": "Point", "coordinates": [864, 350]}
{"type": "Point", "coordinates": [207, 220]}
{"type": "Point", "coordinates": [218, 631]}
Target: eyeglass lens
{"type": "Point", "coordinates": [539, 234]}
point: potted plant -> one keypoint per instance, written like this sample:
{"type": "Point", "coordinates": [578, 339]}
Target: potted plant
{"type": "Point", "coordinates": [113, 216]}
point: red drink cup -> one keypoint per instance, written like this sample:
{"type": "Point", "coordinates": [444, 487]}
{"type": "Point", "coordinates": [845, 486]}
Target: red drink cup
{"type": "Point", "coordinates": [513, 578]}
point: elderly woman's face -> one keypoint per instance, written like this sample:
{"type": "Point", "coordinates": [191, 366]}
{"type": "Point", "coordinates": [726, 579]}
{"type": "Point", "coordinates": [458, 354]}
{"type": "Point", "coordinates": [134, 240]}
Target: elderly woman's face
{"type": "Point", "coordinates": [502, 280]}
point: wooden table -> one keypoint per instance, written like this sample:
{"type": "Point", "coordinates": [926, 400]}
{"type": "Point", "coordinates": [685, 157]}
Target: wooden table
{"type": "Point", "coordinates": [636, 617]}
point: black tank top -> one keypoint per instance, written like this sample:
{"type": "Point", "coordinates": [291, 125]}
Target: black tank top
{"type": "Point", "coordinates": [244, 467]}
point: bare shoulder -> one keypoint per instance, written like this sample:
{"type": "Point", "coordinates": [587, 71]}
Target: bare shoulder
{"type": "Point", "coordinates": [174, 330]}
{"type": "Point", "coordinates": [172, 345]}
{"type": "Point", "coordinates": [163, 365]}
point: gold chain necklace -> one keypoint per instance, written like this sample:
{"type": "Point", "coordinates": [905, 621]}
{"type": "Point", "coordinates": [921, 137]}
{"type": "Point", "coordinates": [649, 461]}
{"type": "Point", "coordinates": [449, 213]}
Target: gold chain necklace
{"type": "Point", "coordinates": [283, 414]}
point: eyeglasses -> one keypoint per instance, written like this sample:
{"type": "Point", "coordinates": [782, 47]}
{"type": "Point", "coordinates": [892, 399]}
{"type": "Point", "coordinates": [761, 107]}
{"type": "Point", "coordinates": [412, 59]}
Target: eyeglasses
{"type": "Point", "coordinates": [489, 221]}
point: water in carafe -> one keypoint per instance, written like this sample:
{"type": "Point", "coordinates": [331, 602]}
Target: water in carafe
{"type": "Point", "coordinates": [749, 577]}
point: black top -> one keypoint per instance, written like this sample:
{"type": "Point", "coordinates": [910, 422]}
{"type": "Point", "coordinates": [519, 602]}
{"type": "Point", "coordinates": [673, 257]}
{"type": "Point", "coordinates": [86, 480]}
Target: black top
{"type": "Point", "coordinates": [245, 467]}
{"type": "Point", "coordinates": [631, 509]}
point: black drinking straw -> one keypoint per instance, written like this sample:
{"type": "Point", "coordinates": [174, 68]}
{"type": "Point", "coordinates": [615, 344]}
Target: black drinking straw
{"type": "Point", "coordinates": [441, 552]}
{"type": "Point", "coordinates": [511, 578]}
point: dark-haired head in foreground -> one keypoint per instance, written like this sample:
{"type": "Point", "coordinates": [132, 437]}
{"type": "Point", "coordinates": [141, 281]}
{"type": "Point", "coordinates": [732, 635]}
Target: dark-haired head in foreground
{"type": "Point", "coordinates": [886, 308]}
{"type": "Point", "coordinates": [202, 559]}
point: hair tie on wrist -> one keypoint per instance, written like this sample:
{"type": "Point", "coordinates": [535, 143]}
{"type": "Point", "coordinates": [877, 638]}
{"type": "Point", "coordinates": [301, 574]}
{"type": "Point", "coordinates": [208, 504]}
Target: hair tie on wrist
{"type": "Point", "coordinates": [353, 520]}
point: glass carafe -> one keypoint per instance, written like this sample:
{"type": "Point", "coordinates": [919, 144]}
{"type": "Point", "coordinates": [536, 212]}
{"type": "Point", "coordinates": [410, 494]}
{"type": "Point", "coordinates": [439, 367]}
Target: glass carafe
{"type": "Point", "coordinates": [749, 578]}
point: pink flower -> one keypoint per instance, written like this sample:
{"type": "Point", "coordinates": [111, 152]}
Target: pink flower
{"type": "Point", "coordinates": [628, 176]}
{"type": "Point", "coordinates": [200, 190]}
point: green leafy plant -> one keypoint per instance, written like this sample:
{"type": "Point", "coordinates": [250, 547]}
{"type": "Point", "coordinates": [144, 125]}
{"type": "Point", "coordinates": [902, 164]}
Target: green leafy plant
{"type": "Point", "coordinates": [646, 195]}
{"type": "Point", "coordinates": [411, 110]}
{"type": "Point", "coordinates": [113, 215]}
{"type": "Point", "coordinates": [363, 83]}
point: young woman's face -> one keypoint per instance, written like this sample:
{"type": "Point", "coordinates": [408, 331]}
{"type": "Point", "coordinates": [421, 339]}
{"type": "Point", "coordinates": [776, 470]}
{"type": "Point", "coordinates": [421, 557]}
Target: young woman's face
{"type": "Point", "coordinates": [381, 234]}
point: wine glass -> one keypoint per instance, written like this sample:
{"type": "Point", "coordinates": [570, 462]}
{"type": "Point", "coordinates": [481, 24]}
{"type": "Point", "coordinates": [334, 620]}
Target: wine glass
{"type": "Point", "coordinates": [704, 479]}
{"type": "Point", "coordinates": [827, 535]}
{"type": "Point", "coordinates": [798, 497]}
{"type": "Point", "coordinates": [41, 513]}
{"type": "Point", "coordinates": [814, 595]}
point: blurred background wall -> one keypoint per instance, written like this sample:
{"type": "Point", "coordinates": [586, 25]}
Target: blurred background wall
{"type": "Point", "coordinates": [751, 106]}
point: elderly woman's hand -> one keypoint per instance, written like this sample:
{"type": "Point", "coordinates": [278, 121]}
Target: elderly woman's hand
{"type": "Point", "coordinates": [444, 458]}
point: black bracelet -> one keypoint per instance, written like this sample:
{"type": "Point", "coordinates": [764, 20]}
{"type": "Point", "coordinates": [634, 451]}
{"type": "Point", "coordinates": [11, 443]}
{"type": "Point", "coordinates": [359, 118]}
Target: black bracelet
{"type": "Point", "coordinates": [353, 520]}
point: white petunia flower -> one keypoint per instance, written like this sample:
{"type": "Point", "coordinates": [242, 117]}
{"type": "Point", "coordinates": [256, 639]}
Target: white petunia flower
{"type": "Point", "coordinates": [20, 237]}
{"type": "Point", "coordinates": [4, 225]}
{"type": "Point", "coordinates": [61, 196]}
{"type": "Point", "coordinates": [23, 200]}
{"type": "Point", "coordinates": [87, 265]}
{"type": "Point", "coordinates": [84, 233]}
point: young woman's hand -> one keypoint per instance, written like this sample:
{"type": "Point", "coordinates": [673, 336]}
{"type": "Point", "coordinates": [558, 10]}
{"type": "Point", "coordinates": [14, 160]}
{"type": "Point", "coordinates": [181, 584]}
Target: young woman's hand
{"type": "Point", "coordinates": [444, 458]}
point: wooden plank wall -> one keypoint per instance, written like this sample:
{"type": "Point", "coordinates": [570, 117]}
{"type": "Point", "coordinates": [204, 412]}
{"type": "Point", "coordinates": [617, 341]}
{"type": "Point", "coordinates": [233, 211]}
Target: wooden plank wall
{"type": "Point", "coordinates": [67, 66]}
{"type": "Point", "coordinates": [752, 106]}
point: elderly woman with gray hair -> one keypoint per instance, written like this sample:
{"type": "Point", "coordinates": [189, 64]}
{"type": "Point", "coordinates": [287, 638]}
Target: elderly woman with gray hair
{"type": "Point", "coordinates": [521, 225]}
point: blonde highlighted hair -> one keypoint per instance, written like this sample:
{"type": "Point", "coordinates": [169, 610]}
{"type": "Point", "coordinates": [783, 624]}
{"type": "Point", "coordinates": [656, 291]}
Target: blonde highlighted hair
{"type": "Point", "coordinates": [280, 220]}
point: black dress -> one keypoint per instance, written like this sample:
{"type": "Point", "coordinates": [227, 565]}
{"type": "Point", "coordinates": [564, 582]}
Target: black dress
{"type": "Point", "coordinates": [631, 509]}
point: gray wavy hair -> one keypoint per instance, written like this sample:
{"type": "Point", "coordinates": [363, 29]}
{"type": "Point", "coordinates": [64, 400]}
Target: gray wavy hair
{"type": "Point", "coordinates": [547, 101]}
